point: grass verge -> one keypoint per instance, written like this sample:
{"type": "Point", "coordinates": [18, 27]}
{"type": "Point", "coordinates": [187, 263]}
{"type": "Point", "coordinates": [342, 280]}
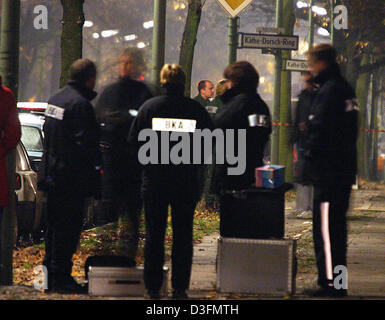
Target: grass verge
{"type": "Point", "coordinates": [106, 240]}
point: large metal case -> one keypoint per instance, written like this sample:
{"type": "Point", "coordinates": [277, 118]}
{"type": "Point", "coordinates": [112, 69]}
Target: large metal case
{"type": "Point", "coordinates": [253, 266]}
{"type": "Point", "coordinates": [120, 282]}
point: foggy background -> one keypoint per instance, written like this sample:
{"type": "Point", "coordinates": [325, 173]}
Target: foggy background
{"type": "Point", "coordinates": [113, 25]}
{"type": "Point", "coordinates": [40, 49]}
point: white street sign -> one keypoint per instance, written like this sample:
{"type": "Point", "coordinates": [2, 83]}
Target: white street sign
{"type": "Point", "coordinates": [268, 41]}
{"type": "Point", "coordinates": [296, 65]}
{"type": "Point", "coordinates": [234, 7]}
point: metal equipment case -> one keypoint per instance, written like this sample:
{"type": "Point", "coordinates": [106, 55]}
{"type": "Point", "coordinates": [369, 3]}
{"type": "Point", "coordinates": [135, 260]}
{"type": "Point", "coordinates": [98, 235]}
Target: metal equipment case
{"type": "Point", "coordinates": [256, 266]}
{"type": "Point", "coordinates": [120, 282]}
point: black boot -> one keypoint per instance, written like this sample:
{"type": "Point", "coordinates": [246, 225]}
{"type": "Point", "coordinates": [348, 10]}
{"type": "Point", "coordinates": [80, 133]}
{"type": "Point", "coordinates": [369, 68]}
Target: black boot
{"type": "Point", "coordinates": [326, 292]}
{"type": "Point", "coordinates": [152, 294]}
{"type": "Point", "coordinates": [179, 294]}
{"type": "Point", "coordinates": [70, 286]}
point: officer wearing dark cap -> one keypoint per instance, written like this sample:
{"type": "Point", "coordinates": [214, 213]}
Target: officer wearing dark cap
{"type": "Point", "coordinates": [70, 171]}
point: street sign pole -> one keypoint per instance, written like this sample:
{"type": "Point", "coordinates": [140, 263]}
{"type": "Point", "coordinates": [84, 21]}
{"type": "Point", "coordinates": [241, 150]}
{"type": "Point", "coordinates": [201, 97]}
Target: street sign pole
{"type": "Point", "coordinates": [232, 40]}
{"type": "Point", "coordinates": [332, 22]}
{"type": "Point", "coordinates": [233, 8]}
{"type": "Point", "coordinates": [158, 40]}
{"type": "Point", "coordinates": [311, 24]}
{"type": "Point", "coordinates": [285, 129]}
{"type": "Point", "coordinates": [277, 90]}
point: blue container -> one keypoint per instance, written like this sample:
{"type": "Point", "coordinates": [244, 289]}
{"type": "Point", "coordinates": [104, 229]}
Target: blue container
{"type": "Point", "coordinates": [270, 176]}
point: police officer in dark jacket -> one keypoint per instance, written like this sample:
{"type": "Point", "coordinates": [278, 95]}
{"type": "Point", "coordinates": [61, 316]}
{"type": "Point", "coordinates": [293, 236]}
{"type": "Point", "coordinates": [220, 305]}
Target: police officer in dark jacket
{"type": "Point", "coordinates": [304, 189]}
{"type": "Point", "coordinates": [169, 183]}
{"type": "Point", "coordinates": [331, 155]}
{"type": "Point", "coordinates": [243, 109]}
{"type": "Point", "coordinates": [305, 100]}
{"type": "Point", "coordinates": [116, 108]}
{"type": "Point", "coordinates": [70, 170]}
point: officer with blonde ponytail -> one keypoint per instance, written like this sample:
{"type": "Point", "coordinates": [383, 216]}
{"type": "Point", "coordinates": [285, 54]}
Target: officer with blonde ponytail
{"type": "Point", "coordinates": [177, 185]}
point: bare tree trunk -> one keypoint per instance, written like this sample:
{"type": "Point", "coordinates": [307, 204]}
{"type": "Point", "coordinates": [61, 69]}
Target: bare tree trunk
{"type": "Point", "coordinates": [189, 39]}
{"type": "Point", "coordinates": [362, 96]}
{"type": "Point", "coordinates": [72, 35]}
{"type": "Point", "coordinates": [55, 71]}
{"type": "Point", "coordinates": [374, 125]}
{"type": "Point", "coordinates": [9, 70]}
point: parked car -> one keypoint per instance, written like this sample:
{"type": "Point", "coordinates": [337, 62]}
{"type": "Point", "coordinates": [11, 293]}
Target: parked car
{"type": "Point", "coordinates": [31, 115]}
{"type": "Point", "coordinates": [29, 200]}
{"type": "Point", "coordinates": [37, 108]}
{"type": "Point", "coordinates": [32, 137]}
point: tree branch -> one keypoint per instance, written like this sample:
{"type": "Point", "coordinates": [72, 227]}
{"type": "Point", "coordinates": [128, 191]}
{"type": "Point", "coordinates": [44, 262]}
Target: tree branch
{"type": "Point", "coordinates": [373, 66]}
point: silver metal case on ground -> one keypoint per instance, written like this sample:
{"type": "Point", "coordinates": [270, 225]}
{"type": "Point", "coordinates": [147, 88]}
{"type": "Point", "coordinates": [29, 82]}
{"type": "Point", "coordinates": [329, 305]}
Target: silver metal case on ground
{"type": "Point", "coordinates": [120, 282]}
{"type": "Point", "coordinates": [253, 266]}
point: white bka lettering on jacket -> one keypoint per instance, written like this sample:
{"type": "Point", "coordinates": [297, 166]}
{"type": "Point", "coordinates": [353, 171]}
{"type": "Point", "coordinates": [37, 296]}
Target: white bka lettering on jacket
{"type": "Point", "coordinates": [54, 112]}
{"type": "Point", "coordinates": [259, 120]}
{"type": "Point", "coordinates": [176, 130]}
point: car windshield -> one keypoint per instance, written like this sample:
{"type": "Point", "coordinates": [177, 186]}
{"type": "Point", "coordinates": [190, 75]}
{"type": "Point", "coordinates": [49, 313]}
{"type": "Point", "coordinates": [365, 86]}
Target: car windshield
{"type": "Point", "coordinates": [31, 139]}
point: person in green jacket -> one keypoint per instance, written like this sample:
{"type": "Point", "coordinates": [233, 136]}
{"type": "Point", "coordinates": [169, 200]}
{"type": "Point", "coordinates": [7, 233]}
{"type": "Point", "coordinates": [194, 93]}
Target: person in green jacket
{"type": "Point", "coordinates": [209, 196]}
{"type": "Point", "coordinates": [205, 92]}
{"type": "Point", "coordinates": [217, 103]}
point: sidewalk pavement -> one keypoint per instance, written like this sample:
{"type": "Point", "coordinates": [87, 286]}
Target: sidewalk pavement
{"type": "Point", "coordinates": [366, 263]}
{"type": "Point", "coordinates": [366, 248]}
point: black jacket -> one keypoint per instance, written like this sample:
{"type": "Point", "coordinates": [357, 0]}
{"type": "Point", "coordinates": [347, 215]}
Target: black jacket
{"type": "Point", "coordinates": [71, 159]}
{"type": "Point", "coordinates": [121, 98]}
{"type": "Point", "coordinates": [158, 178]}
{"type": "Point", "coordinates": [305, 101]}
{"type": "Point", "coordinates": [331, 148]}
{"type": "Point", "coordinates": [239, 104]}
{"type": "Point", "coordinates": [116, 109]}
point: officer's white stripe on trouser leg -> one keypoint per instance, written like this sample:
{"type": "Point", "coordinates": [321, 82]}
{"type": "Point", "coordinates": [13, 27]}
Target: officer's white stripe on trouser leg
{"type": "Point", "coordinates": [326, 239]}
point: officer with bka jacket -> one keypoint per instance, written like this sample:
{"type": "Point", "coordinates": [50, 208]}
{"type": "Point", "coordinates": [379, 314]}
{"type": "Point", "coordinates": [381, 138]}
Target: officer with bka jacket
{"type": "Point", "coordinates": [244, 109]}
{"type": "Point", "coordinates": [177, 185]}
{"type": "Point", "coordinates": [70, 171]}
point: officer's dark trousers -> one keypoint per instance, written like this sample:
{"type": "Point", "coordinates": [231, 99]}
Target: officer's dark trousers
{"type": "Point", "coordinates": [335, 232]}
{"type": "Point", "coordinates": [64, 223]}
{"type": "Point", "coordinates": [156, 212]}
{"type": "Point", "coordinates": [128, 208]}
{"type": "Point", "coordinates": [122, 200]}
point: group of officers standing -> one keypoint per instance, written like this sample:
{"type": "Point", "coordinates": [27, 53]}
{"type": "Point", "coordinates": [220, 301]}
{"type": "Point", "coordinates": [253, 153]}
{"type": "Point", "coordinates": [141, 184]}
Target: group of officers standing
{"type": "Point", "coordinates": [76, 131]}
